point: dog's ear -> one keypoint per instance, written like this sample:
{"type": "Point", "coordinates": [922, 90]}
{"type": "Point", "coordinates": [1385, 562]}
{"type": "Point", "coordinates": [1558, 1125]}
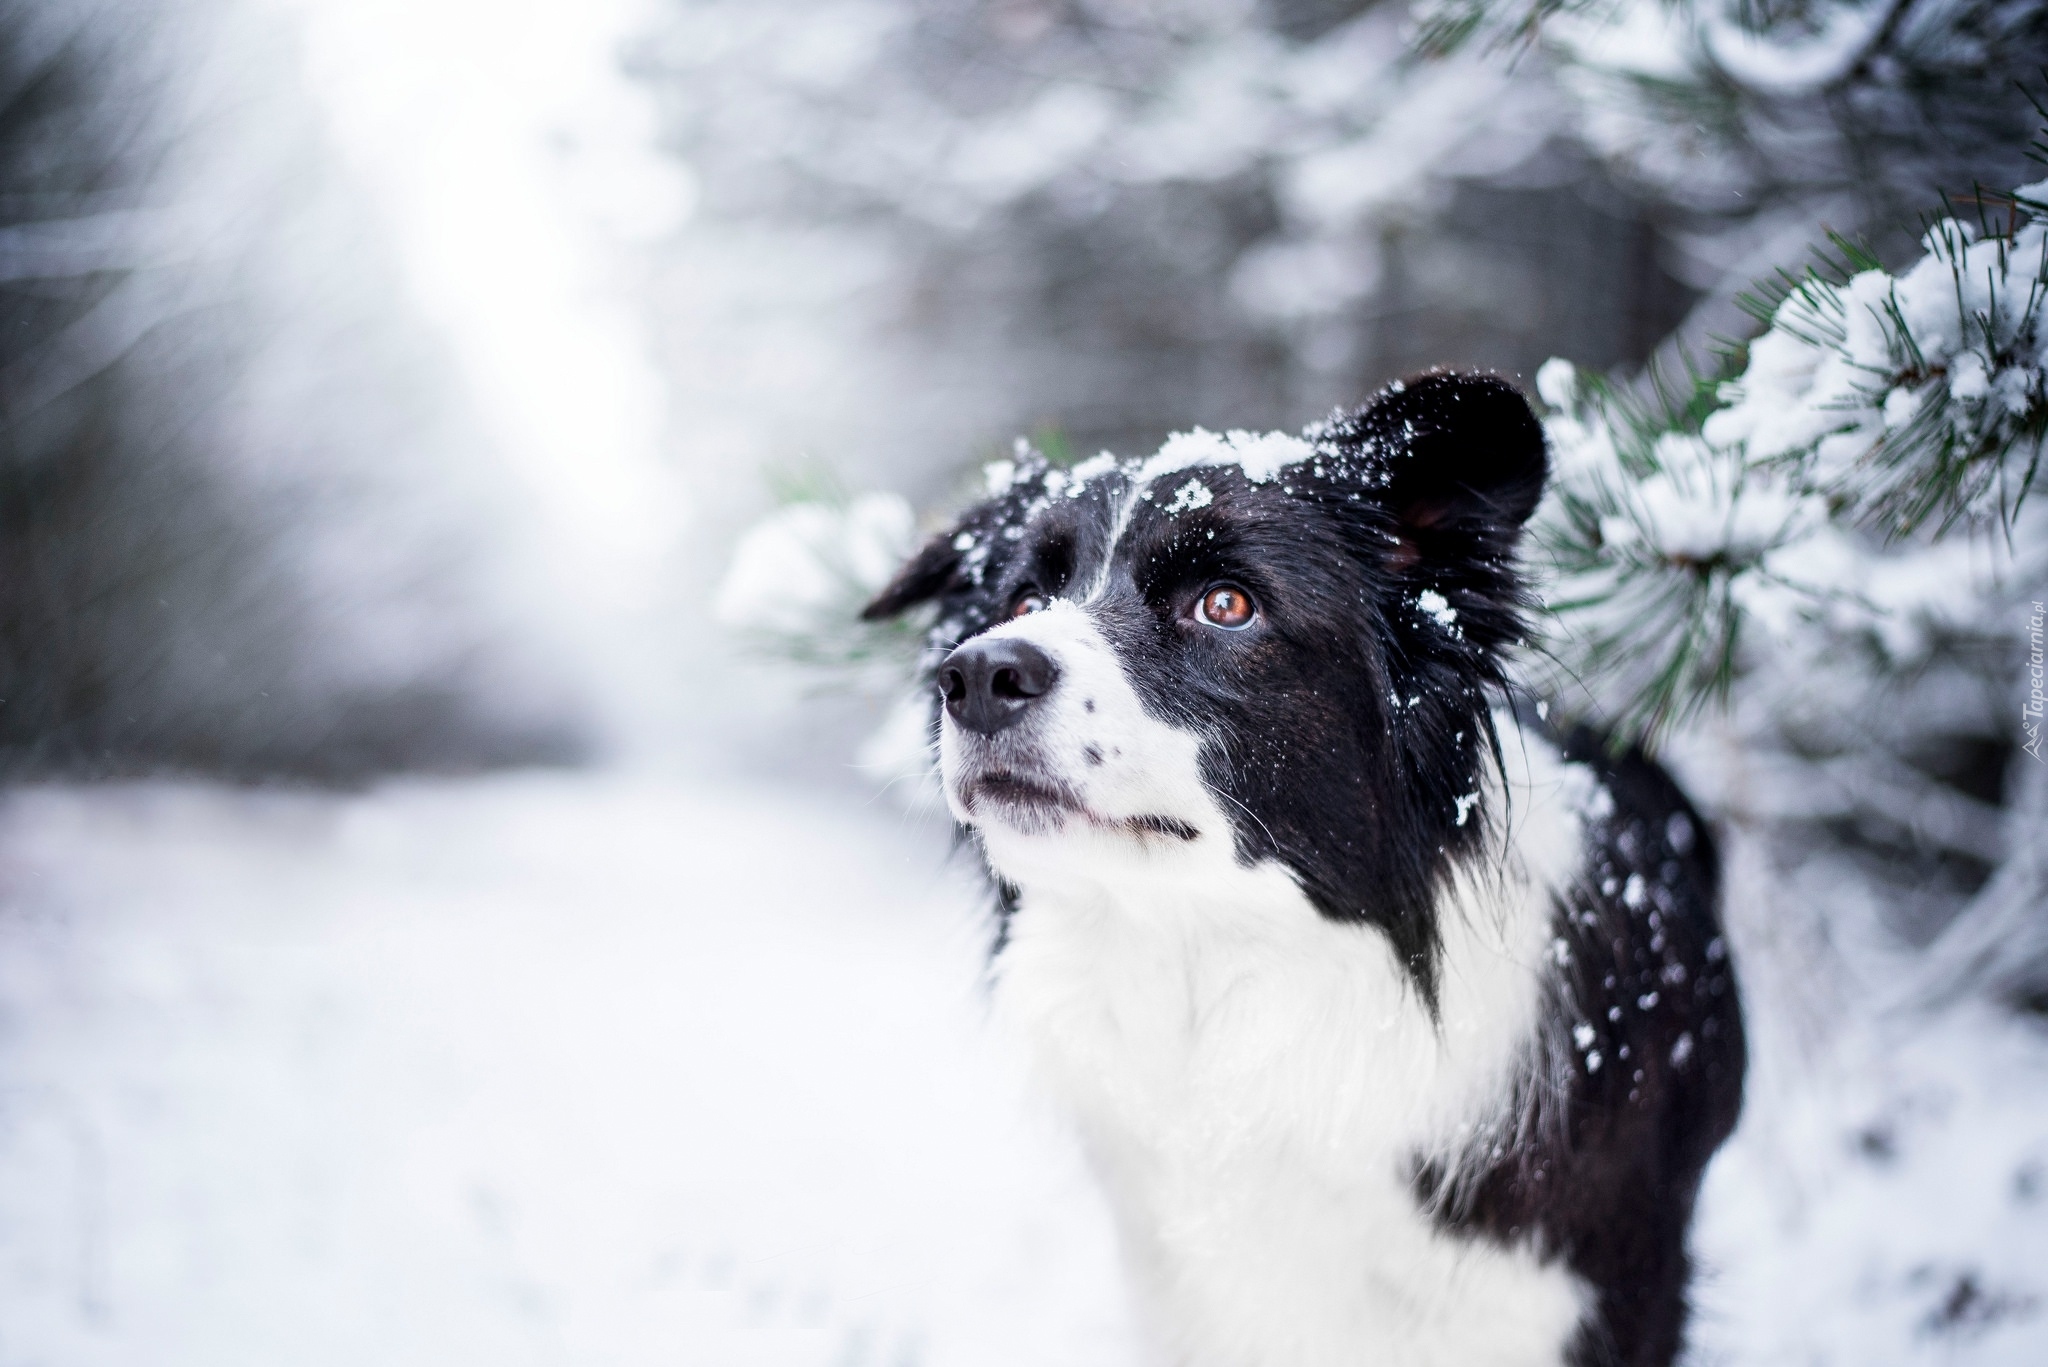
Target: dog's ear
{"type": "Point", "coordinates": [929, 573]}
{"type": "Point", "coordinates": [1463, 461]}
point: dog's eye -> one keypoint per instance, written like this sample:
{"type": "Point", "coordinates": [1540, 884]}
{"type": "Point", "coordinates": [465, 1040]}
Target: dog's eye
{"type": "Point", "coordinates": [1227, 606]}
{"type": "Point", "coordinates": [1030, 602]}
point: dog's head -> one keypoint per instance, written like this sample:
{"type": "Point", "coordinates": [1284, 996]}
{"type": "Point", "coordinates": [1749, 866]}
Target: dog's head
{"type": "Point", "coordinates": [1245, 647]}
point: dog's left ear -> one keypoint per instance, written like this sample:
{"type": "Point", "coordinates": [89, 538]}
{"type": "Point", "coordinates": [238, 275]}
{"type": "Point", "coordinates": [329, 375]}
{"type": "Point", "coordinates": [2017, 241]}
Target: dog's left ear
{"type": "Point", "coordinates": [927, 574]}
{"type": "Point", "coordinates": [1463, 459]}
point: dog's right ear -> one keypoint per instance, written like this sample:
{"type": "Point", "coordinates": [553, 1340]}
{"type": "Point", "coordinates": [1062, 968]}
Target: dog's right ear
{"type": "Point", "coordinates": [929, 573]}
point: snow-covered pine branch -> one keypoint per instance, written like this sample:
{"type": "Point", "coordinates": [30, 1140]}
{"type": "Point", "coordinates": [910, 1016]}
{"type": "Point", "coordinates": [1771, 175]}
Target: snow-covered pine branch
{"type": "Point", "coordinates": [1765, 113]}
{"type": "Point", "coordinates": [1805, 500]}
{"type": "Point", "coordinates": [800, 577]}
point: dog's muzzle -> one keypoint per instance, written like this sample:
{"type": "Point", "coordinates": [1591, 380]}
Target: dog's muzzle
{"type": "Point", "coordinates": [991, 684]}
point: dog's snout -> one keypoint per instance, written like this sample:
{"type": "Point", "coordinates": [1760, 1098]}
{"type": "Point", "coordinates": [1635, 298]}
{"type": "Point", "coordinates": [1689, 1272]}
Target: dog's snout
{"type": "Point", "coordinates": [991, 684]}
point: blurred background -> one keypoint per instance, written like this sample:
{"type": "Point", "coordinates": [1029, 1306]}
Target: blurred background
{"type": "Point", "coordinates": [430, 931]}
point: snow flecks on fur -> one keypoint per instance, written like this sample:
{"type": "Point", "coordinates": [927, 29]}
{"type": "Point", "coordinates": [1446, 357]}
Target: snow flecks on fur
{"type": "Point", "coordinates": [1096, 466]}
{"type": "Point", "coordinates": [1584, 793]}
{"type": "Point", "coordinates": [1190, 496]}
{"type": "Point", "coordinates": [998, 476]}
{"type": "Point", "coordinates": [1260, 455]}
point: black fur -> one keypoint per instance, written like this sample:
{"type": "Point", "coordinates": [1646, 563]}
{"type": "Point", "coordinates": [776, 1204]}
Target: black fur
{"type": "Point", "coordinates": [1348, 732]}
{"type": "Point", "coordinates": [1608, 1171]}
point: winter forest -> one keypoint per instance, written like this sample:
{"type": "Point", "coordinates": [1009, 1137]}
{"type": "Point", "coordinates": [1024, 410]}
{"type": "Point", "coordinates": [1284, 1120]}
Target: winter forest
{"type": "Point", "coordinates": [472, 888]}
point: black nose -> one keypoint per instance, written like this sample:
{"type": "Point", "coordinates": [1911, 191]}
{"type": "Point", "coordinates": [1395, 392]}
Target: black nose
{"type": "Point", "coordinates": [990, 684]}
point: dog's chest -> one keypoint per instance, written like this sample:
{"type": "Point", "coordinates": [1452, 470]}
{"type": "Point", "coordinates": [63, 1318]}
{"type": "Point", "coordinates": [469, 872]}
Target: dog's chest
{"type": "Point", "coordinates": [1255, 1084]}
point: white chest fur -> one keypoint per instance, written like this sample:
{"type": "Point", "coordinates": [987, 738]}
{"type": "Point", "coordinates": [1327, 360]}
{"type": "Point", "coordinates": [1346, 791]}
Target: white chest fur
{"type": "Point", "coordinates": [1255, 1082]}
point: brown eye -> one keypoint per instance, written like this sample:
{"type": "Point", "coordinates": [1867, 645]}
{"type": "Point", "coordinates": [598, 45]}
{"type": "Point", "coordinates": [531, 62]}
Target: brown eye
{"type": "Point", "coordinates": [1030, 602]}
{"type": "Point", "coordinates": [1227, 606]}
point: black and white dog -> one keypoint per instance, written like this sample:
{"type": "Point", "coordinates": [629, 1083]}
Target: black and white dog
{"type": "Point", "coordinates": [1399, 1030]}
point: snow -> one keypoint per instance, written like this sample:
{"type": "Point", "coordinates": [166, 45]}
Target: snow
{"type": "Point", "coordinates": [1190, 496]}
{"type": "Point", "coordinates": [1582, 791]}
{"type": "Point", "coordinates": [1782, 62]}
{"type": "Point", "coordinates": [596, 1068]}
{"type": "Point", "coordinates": [1700, 504]}
{"type": "Point", "coordinates": [998, 476]}
{"type": "Point", "coordinates": [1892, 1209]}
{"type": "Point", "coordinates": [1557, 382]}
{"type": "Point", "coordinates": [1260, 455]}
{"type": "Point", "coordinates": [537, 1069]}
{"type": "Point", "coordinates": [1096, 466]}
{"type": "Point", "coordinates": [600, 1068]}
{"type": "Point", "coordinates": [1643, 40]}
{"type": "Point", "coordinates": [1840, 366]}
{"type": "Point", "coordinates": [1793, 534]}
{"type": "Point", "coordinates": [807, 561]}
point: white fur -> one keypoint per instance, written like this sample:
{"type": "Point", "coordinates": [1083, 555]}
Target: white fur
{"type": "Point", "coordinates": [1254, 1080]}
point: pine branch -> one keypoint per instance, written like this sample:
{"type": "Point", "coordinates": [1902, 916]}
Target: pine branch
{"type": "Point", "coordinates": [800, 577]}
{"type": "Point", "coordinates": [1890, 410]}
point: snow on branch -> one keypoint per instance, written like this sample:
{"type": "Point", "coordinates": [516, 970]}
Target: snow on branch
{"type": "Point", "coordinates": [799, 578]}
{"type": "Point", "coordinates": [1875, 415]}
{"type": "Point", "coordinates": [1905, 399]}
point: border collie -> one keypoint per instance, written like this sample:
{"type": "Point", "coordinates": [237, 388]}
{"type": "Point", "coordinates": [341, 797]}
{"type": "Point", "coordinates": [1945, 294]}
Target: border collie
{"type": "Point", "coordinates": [1398, 1027]}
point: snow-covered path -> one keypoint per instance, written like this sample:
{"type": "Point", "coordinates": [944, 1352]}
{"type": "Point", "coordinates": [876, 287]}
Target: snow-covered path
{"type": "Point", "coordinates": [538, 1069]}
{"type": "Point", "coordinates": [588, 1069]}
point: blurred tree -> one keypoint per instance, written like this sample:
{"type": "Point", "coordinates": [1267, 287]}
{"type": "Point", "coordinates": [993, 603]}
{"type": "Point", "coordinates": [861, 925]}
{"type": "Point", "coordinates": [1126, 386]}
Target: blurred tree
{"type": "Point", "coordinates": [1826, 529]}
{"type": "Point", "coordinates": [191, 426]}
{"type": "Point", "coordinates": [1751, 123]}
{"type": "Point", "coordinates": [1146, 215]}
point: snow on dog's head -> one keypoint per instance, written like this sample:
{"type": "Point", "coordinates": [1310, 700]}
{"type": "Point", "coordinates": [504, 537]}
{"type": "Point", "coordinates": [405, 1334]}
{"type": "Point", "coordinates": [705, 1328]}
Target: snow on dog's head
{"type": "Point", "coordinates": [1245, 648]}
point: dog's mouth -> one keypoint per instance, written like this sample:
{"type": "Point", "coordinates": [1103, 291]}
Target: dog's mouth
{"type": "Point", "coordinates": [1038, 807]}
{"type": "Point", "coordinates": [1005, 790]}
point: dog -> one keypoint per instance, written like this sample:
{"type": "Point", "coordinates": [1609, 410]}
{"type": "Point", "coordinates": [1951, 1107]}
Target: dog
{"type": "Point", "coordinates": [1398, 1024]}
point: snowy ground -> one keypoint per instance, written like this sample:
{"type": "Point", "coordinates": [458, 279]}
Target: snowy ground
{"type": "Point", "coordinates": [600, 1070]}
{"type": "Point", "coordinates": [528, 1070]}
